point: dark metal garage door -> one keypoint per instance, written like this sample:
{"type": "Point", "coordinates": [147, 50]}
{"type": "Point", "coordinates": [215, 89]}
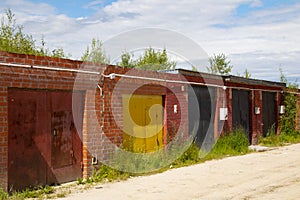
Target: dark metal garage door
{"type": "Point", "coordinates": [241, 111]}
{"type": "Point", "coordinates": [201, 119]}
{"type": "Point", "coordinates": [268, 112]}
{"type": "Point", "coordinates": [43, 144]}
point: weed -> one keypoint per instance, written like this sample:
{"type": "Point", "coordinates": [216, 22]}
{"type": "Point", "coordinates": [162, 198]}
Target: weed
{"type": "Point", "coordinates": [235, 143]}
{"type": "Point", "coordinates": [3, 194]}
{"type": "Point", "coordinates": [106, 173]}
{"type": "Point", "coordinates": [280, 140]}
{"type": "Point", "coordinates": [288, 119]}
{"type": "Point", "coordinates": [288, 133]}
{"type": "Point", "coordinates": [232, 144]}
{"type": "Point", "coordinates": [80, 181]}
{"type": "Point", "coordinates": [190, 156]}
{"type": "Point", "coordinates": [39, 192]}
{"type": "Point", "coordinates": [63, 193]}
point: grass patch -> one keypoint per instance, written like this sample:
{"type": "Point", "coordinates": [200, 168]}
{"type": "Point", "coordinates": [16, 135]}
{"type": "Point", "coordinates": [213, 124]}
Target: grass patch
{"type": "Point", "coordinates": [3, 194]}
{"type": "Point", "coordinates": [46, 192]}
{"type": "Point", "coordinates": [232, 144]}
{"type": "Point", "coordinates": [36, 193]}
{"type": "Point", "coordinates": [283, 139]}
{"type": "Point", "coordinates": [189, 157]}
{"type": "Point", "coordinates": [62, 193]}
{"type": "Point", "coordinates": [105, 174]}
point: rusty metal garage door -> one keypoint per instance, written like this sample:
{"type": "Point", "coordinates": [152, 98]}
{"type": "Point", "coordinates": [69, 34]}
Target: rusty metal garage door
{"type": "Point", "coordinates": [43, 144]}
{"type": "Point", "coordinates": [268, 112]}
{"type": "Point", "coordinates": [27, 147]}
{"type": "Point", "coordinates": [241, 111]}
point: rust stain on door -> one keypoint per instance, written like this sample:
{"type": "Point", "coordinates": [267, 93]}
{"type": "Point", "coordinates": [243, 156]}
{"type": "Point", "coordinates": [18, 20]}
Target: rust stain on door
{"type": "Point", "coordinates": [27, 165]}
{"type": "Point", "coordinates": [44, 146]}
{"type": "Point", "coordinates": [61, 140]}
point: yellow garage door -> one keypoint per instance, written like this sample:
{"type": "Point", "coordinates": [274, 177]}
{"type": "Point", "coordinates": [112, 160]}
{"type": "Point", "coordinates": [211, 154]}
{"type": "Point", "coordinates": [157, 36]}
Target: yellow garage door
{"type": "Point", "coordinates": [142, 122]}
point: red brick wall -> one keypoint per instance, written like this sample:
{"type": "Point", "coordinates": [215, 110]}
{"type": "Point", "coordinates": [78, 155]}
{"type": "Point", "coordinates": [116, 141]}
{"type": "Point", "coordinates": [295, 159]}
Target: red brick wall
{"type": "Point", "coordinates": [228, 122]}
{"type": "Point", "coordinates": [221, 126]}
{"type": "Point", "coordinates": [110, 113]}
{"type": "Point", "coordinates": [100, 126]}
{"type": "Point", "coordinates": [256, 122]}
{"type": "Point", "coordinates": [29, 78]}
{"type": "Point", "coordinates": [176, 97]}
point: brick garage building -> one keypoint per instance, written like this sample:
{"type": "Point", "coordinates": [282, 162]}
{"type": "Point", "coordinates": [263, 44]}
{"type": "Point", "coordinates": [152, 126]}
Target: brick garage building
{"type": "Point", "coordinates": [58, 117]}
{"type": "Point", "coordinates": [36, 120]}
{"type": "Point", "coordinates": [250, 104]}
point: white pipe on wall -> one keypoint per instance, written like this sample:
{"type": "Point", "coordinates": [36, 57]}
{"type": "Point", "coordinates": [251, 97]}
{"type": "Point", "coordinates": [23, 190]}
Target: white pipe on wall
{"type": "Point", "coordinates": [49, 68]}
{"type": "Point", "coordinates": [113, 75]}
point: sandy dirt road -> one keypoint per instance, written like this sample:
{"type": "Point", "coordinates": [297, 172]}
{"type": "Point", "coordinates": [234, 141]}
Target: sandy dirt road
{"type": "Point", "coordinates": [273, 174]}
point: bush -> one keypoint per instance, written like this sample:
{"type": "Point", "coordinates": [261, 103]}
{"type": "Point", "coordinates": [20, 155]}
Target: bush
{"type": "Point", "coordinates": [288, 119]}
{"type": "Point", "coordinates": [190, 156]}
{"type": "Point", "coordinates": [105, 173]}
{"type": "Point", "coordinates": [235, 143]}
{"type": "Point", "coordinates": [231, 144]}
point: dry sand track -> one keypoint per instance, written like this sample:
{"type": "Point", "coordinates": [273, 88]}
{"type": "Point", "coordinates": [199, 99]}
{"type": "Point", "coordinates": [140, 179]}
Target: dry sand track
{"type": "Point", "coordinates": [273, 174]}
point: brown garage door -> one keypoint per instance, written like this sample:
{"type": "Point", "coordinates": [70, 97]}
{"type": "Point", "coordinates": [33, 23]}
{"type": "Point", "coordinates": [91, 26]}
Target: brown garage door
{"type": "Point", "coordinates": [241, 111]}
{"type": "Point", "coordinates": [201, 115]}
{"type": "Point", "coordinates": [269, 112]}
{"type": "Point", "coordinates": [44, 147]}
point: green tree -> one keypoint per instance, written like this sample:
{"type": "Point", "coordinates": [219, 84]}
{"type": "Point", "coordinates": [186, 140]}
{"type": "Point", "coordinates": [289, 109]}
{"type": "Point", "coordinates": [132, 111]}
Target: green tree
{"type": "Point", "coordinates": [218, 64]}
{"type": "Point", "coordinates": [288, 118]}
{"type": "Point", "coordinates": [95, 53]}
{"type": "Point", "coordinates": [283, 78]}
{"type": "Point", "coordinates": [150, 60]}
{"type": "Point", "coordinates": [12, 39]}
{"type": "Point", "coordinates": [126, 60]}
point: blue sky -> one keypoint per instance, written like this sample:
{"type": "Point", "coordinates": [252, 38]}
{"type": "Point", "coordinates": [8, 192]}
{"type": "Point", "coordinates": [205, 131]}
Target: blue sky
{"type": "Point", "coordinates": [257, 35]}
{"type": "Point", "coordinates": [84, 8]}
{"type": "Point", "coordinates": [244, 9]}
{"type": "Point", "coordinates": [76, 8]}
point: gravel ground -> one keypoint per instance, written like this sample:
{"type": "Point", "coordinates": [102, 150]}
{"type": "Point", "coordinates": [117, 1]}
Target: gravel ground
{"type": "Point", "coordinates": [273, 174]}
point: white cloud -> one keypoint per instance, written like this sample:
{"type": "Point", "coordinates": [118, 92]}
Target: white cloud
{"type": "Point", "coordinates": [261, 39]}
{"type": "Point", "coordinates": [256, 3]}
{"type": "Point", "coordinates": [23, 6]}
{"type": "Point", "coordinates": [94, 3]}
